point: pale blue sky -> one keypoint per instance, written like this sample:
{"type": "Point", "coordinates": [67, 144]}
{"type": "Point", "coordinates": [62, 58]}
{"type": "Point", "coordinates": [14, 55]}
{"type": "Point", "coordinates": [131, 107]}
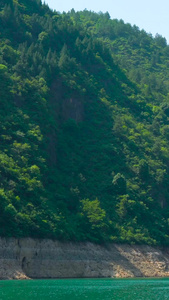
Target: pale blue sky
{"type": "Point", "coordinates": [150, 15]}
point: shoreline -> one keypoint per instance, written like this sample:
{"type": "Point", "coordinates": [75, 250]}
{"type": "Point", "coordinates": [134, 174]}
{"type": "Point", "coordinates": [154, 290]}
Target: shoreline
{"type": "Point", "coordinates": [85, 278]}
{"type": "Point", "coordinates": [26, 259]}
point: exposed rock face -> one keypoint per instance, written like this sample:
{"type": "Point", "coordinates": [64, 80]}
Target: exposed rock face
{"type": "Point", "coordinates": [29, 258]}
{"type": "Point", "coordinates": [73, 109]}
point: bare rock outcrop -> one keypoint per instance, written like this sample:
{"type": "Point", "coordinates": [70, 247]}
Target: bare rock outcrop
{"type": "Point", "coordinates": [33, 258]}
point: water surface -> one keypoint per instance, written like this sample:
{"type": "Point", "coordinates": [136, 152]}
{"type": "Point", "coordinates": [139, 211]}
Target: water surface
{"type": "Point", "coordinates": [93, 289]}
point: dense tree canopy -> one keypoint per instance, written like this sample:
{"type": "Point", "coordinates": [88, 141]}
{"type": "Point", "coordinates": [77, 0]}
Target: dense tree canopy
{"type": "Point", "coordinates": [84, 127]}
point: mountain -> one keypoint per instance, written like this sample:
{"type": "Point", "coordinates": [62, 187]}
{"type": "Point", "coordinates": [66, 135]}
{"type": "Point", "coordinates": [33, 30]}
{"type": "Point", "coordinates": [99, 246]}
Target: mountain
{"type": "Point", "coordinates": [84, 127]}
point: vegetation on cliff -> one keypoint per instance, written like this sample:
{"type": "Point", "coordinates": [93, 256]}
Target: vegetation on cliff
{"type": "Point", "coordinates": [84, 127]}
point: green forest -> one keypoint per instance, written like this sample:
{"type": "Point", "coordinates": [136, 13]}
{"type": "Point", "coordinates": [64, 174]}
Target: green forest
{"type": "Point", "coordinates": [84, 127]}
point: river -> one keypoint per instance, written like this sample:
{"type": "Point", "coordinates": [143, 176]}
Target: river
{"type": "Point", "coordinates": [91, 289]}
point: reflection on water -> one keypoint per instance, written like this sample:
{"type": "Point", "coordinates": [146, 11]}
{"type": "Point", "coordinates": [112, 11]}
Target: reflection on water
{"type": "Point", "coordinates": [93, 289]}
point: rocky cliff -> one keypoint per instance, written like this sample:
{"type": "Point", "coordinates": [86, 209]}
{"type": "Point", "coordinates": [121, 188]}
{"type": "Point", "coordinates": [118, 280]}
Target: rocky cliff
{"type": "Point", "coordinates": [29, 258]}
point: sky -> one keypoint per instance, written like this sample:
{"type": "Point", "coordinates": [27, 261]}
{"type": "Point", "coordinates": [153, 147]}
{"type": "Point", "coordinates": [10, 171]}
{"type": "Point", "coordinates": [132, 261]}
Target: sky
{"type": "Point", "coordinates": [150, 15]}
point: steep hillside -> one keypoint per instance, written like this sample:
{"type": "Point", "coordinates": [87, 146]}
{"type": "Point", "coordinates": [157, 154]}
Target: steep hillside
{"type": "Point", "coordinates": [84, 127]}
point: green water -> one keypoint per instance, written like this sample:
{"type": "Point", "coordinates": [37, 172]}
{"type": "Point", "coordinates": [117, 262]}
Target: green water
{"type": "Point", "coordinates": [93, 289]}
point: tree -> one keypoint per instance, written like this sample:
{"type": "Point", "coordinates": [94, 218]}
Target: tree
{"type": "Point", "coordinates": [143, 170]}
{"type": "Point", "coordinates": [119, 183]}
